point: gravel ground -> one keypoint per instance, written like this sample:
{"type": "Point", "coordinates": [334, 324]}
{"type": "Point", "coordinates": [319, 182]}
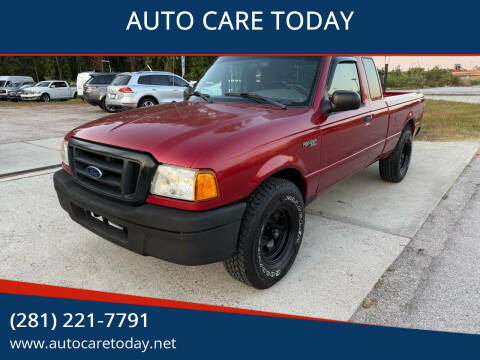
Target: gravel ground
{"type": "Point", "coordinates": [43, 121]}
{"type": "Point", "coordinates": [435, 282]}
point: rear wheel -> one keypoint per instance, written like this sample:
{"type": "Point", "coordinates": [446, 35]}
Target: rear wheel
{"type": "Point", "coordinates": [147, 102]}
{"type": "Point", "coordinates": [270, 235]}
{"type": "Point", "coordinates": [45, 98]}
{"type": "Point", "coordinates": [395, 167]}
{"type": "Point", "coordinates": [107, 108]}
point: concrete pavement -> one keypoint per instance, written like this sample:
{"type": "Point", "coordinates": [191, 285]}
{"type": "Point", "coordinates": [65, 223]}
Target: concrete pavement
{"type": "Point", "coordinates": [400, 209]}
{"type": "Point", "coordinates": [435, 282]}
{"type": "Point", "coordinates": [29, 155]}
{"type": "Point", "coordinates": [343, 255]}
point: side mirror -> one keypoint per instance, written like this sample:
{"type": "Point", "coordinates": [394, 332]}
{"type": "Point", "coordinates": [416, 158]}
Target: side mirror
{"type": "Point", "coordinates": [187, 93]}
{"type": "Point", "coordinates": [341, 100]}
{"type": "Point", "coordinates": [52, 86]}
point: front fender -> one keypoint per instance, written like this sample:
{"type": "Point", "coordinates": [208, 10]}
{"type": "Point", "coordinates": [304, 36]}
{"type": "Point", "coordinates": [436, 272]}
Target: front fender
{"type": "Point", "coordinates": [276, 164]}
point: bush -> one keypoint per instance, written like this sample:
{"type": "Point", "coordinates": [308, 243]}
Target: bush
{"type": "Point", "coordinates": [421, 78]}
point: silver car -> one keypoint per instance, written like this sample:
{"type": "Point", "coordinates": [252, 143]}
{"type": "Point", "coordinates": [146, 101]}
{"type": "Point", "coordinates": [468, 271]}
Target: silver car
{"type": "Point", "coordinates": [145, 88]}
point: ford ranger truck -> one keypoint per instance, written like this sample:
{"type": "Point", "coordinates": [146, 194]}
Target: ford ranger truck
{"type": "Point", "coordinates": [225, 174]}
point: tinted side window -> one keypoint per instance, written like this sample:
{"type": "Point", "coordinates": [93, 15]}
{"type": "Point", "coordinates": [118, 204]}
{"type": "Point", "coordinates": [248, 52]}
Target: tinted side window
{"type": "Point", "coordinates": [101, 80]}
{"type": "Point", "coordinates": [372, 79]}
{"type": "Point", "coordinates": [145, 80]}
{"type": "Point", "coordinates": [179, 81]}
{"type": "Point", "coordinates": [345, 77]}
{"type": "Point", "coordinates": [59, 84]}
{"type": "Point", "coordinates": [160, 80]}
{"type": "Point", "coordinates": [121, 80]}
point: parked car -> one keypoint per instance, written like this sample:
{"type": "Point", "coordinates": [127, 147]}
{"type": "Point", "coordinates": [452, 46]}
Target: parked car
{"type": "Point", "coordinates": [9, 82]}
{"type": "Point", "coordinates": [14, 93]}
{"type": "Point", "coordinates": [226, 176]}
{"type": "Point", "coordinates": [82, 78]}
{"type": "Point", "coordinates": [144, 89]}
{"type": "Point", "coordinates": [95, 90]}
{"type": "Point", "coordinates": [49, 90]}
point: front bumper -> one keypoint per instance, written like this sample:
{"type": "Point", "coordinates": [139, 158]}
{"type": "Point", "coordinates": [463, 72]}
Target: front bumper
{"type": "Point", "coordinates": [179, 236]}
{"type": "Point", "coordinates": [30, 97]}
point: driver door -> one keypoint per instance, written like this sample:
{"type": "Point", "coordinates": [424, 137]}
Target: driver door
{"type": "Point", "coordinates": [344, 133]}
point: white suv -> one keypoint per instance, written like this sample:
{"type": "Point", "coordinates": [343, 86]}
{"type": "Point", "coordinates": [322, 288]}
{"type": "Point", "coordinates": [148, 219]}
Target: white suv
{"type": "Point", "coordinates": [145, 88]}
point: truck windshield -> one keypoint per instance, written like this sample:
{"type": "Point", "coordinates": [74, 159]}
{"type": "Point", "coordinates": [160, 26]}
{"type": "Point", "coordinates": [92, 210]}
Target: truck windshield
{"type": "Point", "coordinates": [289, 80]}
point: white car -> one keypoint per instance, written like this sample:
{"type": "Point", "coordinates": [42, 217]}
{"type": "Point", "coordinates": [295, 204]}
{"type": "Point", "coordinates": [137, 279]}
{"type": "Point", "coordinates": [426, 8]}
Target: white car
{"type": "Point", "coordinates": [49, 90]}
{"type": "Point", "coordinates": [145, 88]}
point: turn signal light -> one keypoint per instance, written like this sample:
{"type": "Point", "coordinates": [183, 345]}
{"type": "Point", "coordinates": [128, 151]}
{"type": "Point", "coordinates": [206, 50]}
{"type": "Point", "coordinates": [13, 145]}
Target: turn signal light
{"type": "Point", "coordinates": [205, 186]}
{"type": "Point", "coordinates": [125, 90]}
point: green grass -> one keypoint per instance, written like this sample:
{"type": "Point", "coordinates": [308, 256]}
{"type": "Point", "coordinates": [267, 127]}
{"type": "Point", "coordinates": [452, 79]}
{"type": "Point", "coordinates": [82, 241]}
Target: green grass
{"type": "Point", "coordinates": [38, 103]}
{"type": "Point", "coordinates": [450, 121]}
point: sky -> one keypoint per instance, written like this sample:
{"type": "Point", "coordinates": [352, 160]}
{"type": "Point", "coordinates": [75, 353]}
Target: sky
{"type": "Point", "coordinates": [427, 62]}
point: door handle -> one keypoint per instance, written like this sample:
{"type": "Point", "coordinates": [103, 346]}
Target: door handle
{"type": "Point", "coordinates": [368, 119]}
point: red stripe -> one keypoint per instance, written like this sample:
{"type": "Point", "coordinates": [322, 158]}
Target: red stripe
{"type": "Point", "coordinates": [32, 289]}
{"type": "Point", "coordinates": [228, 54]}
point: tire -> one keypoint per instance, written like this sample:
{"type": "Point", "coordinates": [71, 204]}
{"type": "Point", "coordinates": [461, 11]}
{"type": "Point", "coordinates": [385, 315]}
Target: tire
{"type": "Point", "coordinates": [75, 96]}
{"type": "Point", "coordinates": [395, 167]}
{"type": "Point", "coordinates": [107, 108]}
{"type": "Point", "coordinates": [45, 97]}
{"type": "Point", "coordinates": [147, 102]}
{"type": "Point", "coordinates": [270, 234]}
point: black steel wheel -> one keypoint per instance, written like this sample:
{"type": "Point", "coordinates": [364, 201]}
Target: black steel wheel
{"type": "Point", "coordinates": [270, 235]}
{"type": "Point", "coordinates": [395, 167]}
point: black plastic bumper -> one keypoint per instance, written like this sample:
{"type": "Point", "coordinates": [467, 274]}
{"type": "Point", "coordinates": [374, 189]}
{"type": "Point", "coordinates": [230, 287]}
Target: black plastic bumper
{"type": "Point", "coordinates": [92, 101]}
{"type": "Point", "coordinates": [179, 236]}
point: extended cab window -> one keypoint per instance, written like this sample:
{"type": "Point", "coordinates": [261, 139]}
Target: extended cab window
{"type": "Point", "coordinates": [345, 77]}
{"type": "Point", "coordinates": [372, 79]}
{"type": "Point", "coordinates": [59, 84]}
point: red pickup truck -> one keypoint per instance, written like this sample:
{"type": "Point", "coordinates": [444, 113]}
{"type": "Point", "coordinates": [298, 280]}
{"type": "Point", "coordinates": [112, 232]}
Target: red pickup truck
{"type": "Point", "coordinates": [225, 175]}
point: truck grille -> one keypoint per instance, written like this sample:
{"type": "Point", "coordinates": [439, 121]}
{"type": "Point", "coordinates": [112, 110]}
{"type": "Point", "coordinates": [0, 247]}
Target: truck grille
{"type": "Point", "coordinates": [112, 172]}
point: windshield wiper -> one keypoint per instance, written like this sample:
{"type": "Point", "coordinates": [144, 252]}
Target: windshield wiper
{"type": "Point", "coordinates": [205, 97]}
{"type": "Point", "coordinates": [257, 97]}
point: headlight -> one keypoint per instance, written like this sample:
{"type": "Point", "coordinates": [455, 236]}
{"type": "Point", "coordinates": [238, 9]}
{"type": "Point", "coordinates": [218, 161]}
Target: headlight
{"type": "Point", "coordinates": [184, 183]}
{"type": "Point", "coordinates": [64, 152]}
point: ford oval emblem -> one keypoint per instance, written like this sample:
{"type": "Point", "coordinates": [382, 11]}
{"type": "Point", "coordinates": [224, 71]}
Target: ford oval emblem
{"type": "Point", "coordinates": [94, 172]}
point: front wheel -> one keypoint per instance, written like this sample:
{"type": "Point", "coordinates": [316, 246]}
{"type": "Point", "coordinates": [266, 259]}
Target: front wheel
{"type": "Point", "coordinates": [270, 235]}
{"type": "Point", "coordinates": [395, 167]}
{"type": "Point", "coordinates": [45, 98]}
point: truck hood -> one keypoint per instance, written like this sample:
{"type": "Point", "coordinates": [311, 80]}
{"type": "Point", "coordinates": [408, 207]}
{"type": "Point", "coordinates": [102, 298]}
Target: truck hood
{"type": "Point", "coordinates": [178, 133]}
